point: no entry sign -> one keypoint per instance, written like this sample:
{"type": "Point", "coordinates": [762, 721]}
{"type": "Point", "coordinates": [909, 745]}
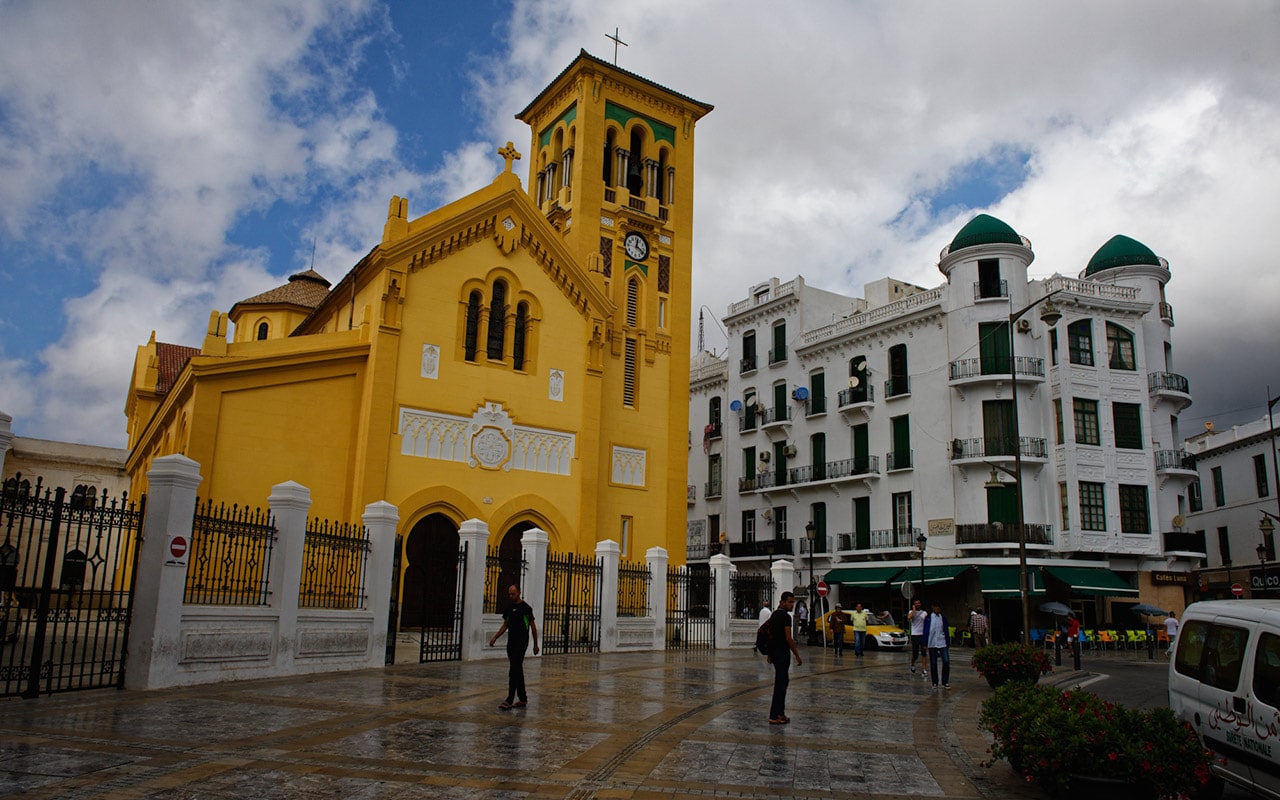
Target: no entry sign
{"type": "Point", "coordinates": [178, 549]}
{"type": "Point", "coordinates": [1237, 590]}
{"type": "Point", "coordinates": [822, 588]}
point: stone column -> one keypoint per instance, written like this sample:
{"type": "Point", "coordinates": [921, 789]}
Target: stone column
{"type": "Point", "coordinates": [534, 545]}
{"type": "Point", "coordinates": [657, 559]}
{"type": "Point", "coordinates": [160, 583]}
{"type": "Point", "coordinates": [607, 553]}
{"type": "Point", "coordinates": [6, 436]}
{"type": "Point", "coordinates": [380, 520]}
{"type": "Point", "coordinates": [784, 580]}
{"type": "Point", "coordinates": [721, 570]}
{"type": "Point", "coordinates": [475, 535]}
{"type": "Point", "coordinates": [289, 503]}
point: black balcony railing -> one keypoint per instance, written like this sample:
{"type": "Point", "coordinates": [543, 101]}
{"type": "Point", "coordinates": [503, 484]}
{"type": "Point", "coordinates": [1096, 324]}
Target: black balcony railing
{"type": "Point", "coordinates": [1184, 542]}
{"type": "Point", "coordinates": [767, 547]}
{"type": "Point", "coordinates": [896, 387]}
{"type": "Point", "coordinates": [713, 430]}
{"type": "Point", "coordinates": [849, 467]}
{"type": "Point", "coordinates": [983, 290]}
{"type": "Point", "coordinates": [996, 365]}
{"type": "Point", "coordinates": [900, 459]}
{"type": "Point", "coordinates": [1166, 313]}
{"type": "Point", "coordinates": [903, 539]}
{"type": "Point", "coordinates": [862, 394]}
{"type": "Point", "coordinates": [816, 404]}
{"type": "Point", "coordinates": [747, 364]}
{"type": "Point", "coordinates": [1032, 447]}
{"type": "Point", "coordinates": [769, 416]}
{"type": "Point", "coordinates": [1003, 533]}
{"type": "Point", "coordinates": [1175, 459]}
{"type": "Point", "coordinates": [748, 484]}
{"type": "Point", "coordinates": [777, 355]}
{"type": "Point", "coordinates": [1168, 382]}
{"type": "Point", "coordinates": [712, 489]}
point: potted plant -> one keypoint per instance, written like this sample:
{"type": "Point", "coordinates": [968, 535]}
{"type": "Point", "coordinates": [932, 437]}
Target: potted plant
{"type": "Point", "coordinates": [1073, 743]}
{"type": "Point", "coordinates": [1002, 663]}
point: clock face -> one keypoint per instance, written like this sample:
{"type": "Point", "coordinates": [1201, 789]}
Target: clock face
{"type": "Point", "coordinates": [636, 246]}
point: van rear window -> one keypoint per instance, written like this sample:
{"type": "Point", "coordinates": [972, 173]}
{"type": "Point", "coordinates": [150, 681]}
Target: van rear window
{"type": "Point", "coordinates": [1211, 653]}
{"type": "Point", "coordinates": [1266, 670]}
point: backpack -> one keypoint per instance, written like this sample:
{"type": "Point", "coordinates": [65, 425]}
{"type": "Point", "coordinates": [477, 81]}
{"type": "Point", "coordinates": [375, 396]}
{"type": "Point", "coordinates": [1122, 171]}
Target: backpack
{"type": "Point", "coordinates": [764, 638]}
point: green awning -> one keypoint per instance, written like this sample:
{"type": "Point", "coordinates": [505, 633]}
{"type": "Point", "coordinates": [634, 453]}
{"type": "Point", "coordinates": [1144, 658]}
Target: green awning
{"type": "Point", "coordinates": [1090, 581]}
{"type": "Point", "coordinates": [935, 574]}
{"type": "Point", "coordinates": [861, 576]}
{"type": "Point", "coordinates": [1004, 581]}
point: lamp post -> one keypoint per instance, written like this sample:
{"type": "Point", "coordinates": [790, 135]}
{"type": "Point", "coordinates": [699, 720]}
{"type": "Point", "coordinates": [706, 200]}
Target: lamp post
{"type": "Point", "coordinates": [1049, 315]}
{"type": "Point", "coordinates": [811, 533]}
{"type": "Point", "coordinates": [921, 541]}
{"type": "Point", "coordinates": [1267, 527]}
{"type": "Point", "coordinates": [1271, 428]}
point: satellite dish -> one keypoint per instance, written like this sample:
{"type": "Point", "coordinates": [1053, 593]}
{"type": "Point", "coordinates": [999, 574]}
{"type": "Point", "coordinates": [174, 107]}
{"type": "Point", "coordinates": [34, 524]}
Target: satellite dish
{"type": "Point", "coordinates": [735, 405]}
{"type": "Point", "coordinates": [908, 589]}
{"type": "Point", "coordinates": [801, 393]}
{"type": "Point", "coordinates": [1178, 521]}
{"type": "Point", "coordinates": [854, 381]}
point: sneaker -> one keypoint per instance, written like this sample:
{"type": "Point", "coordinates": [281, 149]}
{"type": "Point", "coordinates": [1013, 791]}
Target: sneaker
{"type": "Point", "coordinates": [946, 686]}
{"type": "Point", "coordinates": [913, 669]}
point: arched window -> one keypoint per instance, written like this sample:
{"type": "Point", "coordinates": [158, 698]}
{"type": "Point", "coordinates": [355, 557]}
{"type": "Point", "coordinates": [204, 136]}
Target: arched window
{"type": "Point", "coordinates": [898, 382]}
{"type": "Point", "coordinates": [606, 172]}
{"type": "Point", "coordinates": [1080, 342]}
{"type": "Point", "coordinates": [633, 301]}
{"type": "Point", "coordinates": [473, 325]}
{"type": "Point", "coordinates": [263, 329]}
{"type": "Point", "coordinates": [635, 163]}
{"type": "Point", "coordinates": [1120, 348]}
{"type": "Point", "coordinates": [497, 321]}
{"type": "Point", "coordinates": [518, 336]}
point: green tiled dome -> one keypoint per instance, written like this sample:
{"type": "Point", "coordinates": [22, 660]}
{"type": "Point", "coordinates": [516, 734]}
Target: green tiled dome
{"type": "Point", "coordinates": [984, 229]}
{"type": "Point", "coordinates": [1120, 251]}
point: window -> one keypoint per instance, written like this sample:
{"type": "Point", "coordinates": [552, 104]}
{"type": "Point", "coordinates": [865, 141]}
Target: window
{"type": "Point", "coordinates": [1133, 510]}
{"type": "Point", "coordinates": [662, 312]}
{"type": "Point", "coordinates": [518, 336]}
{"type": "Point", "coordinates": [633, 301]}
{"type": "Point", "coordinates": [497, 321]}
{"type": "Point", "coordinates": [779, 522]}
{"type": "Point", "coordinates": [901, 514]}
{"type": "Point", "coordinates": [749, 463]}
{"type": "Point", "coordinates": [858, 391]}
{"type": "Point", "coordinates": [1128, 422]}
{"type": "Point", "coordinates": [1053, 347]}
{"type": "Point", "coordinates": [1065, 503]}
{"type": "Point", "coordinates": [1260, 475]}
{"type": "Point", "coordinates": [748, 411]}
{"type": "Point", "coordinates": [993, 348]}
{"type": "Point", "coordinates": [818, 456]}
{"type": "Point", "coordinates": [1093, 508]}
{"type": "Point", "coordinates": [900, 433]}
{"type": "Point", "coordinates": [860, 435]}
{"type": "Point", "coordinates": [1080, 343]}
{"type": "Point", "coordinates": [263, 330]}
{"type": "Point", "coordinates": [898, 382]}
{"type": "Point", "coordinates": [861, 523]}
{"type": "Point", "coordinates": [989, 283]}
{"type": "Point", "coordinates": [629, 374]}
{"type": "Point", "coordinates": [748, 352]}
{"type": "Point", "coordinates": [713, 416]}
{"type": "Point", "coordinates": [818, 514]}
{"type": "Point", "coordinates": [997, 428]}
{"type": "Point", "coordinates": [1266, 670]}
{"type": "Point", "coordinates": [1120, 348]}
{"type": "Point", "coordinates": [625, 533]}
{"type": "Point", "coordinates": [473, 325]}
{"type": "Point", "coordinates": [779, 351]}
{"type": "Point", "coordinates": [1219, 489]}
{"type": "Point", "coordinates": [713, 475]}
{"type": "Point", "coordinates": [817, 392]}
{"type": "Point", "coordinates": [1194, 498]}
{"type": "Point", "coordinates": [1224, 546]}
{"type": "Point", "coordinates": [748, 526]}
{"type": "Point", "coordinates": [1086, 416]}
{"type": "Point", "coordinates": [1057, 420]}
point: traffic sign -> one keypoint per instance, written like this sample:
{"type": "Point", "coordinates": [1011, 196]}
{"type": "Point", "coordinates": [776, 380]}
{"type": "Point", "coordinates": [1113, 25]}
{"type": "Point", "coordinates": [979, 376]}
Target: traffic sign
{"type": "Point", "coordinates": [178, 546]}
{"type": "Point", "coordinates": [1237, 590]}
{"type": "Point", "coordinates": [822, 588]}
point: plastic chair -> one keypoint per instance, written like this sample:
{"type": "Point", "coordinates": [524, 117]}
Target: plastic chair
{"type": "Point", "coordinates": [1086, 639]}
{"type": "Point", "coordinates": [1162, 638]}
{"type": "Point", "coordinates": [1106, 640]}
{"type": "Point", "coordinates": [951, 635]}
{"type": "Point", "coordinates": [1049, 638]}
{"type": "Point", "coordinates": [1117, 641]}
{"type": "Point", "coordinates": [1136, 640]}
{"type": "Point", "coordinates": [1037, 636]}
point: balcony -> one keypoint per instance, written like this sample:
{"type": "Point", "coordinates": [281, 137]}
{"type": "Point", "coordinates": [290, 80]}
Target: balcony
{"type": "Point", "coordinates": [977, 370]}
{"type": "Point", "coordinates": [850, 399]}
{"type": "Point", "coordinates": [861, 541]}
{"type": "Point", "coordinates": [691, 493]}
{"type": "Point", "coordinates": [997, 447]}
{"type": "Point", "coordinates": [747, 484]}
{"type": "Point", "coordinates": [749, 421]}
{"type": "Point", "coordinates": [768, 548]}
{"type": "Point", "coordinates": [832, 471]}
{"type": "Point", "coordinates": [991, 290]}
{"type": "Point", "coordinates": [747, 364]}
{"type": "Point", "coordinates": [1166, 313]}
{"type": "Point", "coordinates": [1003, 533]}
{"type": "Point", "coordinates": [897, 387]}
{"type": "Point", "coordinates": [1175, 462]}
{"type": "Point", "coordinates": [770, 417]}
{"type": "Point", "coordinates": [815, 405]}
{"type": "Point", "coordinates": [777, 355]}
{"type": "Point", "coordinates": [897, 460]}
{"type": "Point", "coordinates": [1185, 542]}
{"type": "Point", "coordinates": [713, 431]}
{"type": "Point", "coordinates": [1170, 387]}
{"type": "Point", "coordinates": [712, 490]}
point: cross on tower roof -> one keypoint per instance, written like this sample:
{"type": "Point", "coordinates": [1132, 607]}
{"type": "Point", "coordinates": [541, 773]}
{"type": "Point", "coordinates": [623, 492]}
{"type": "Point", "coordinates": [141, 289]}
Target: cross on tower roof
{"type": "Point", "coordinates": [616, 42]}
{"type": "Point", "coordinates": [509, 153]}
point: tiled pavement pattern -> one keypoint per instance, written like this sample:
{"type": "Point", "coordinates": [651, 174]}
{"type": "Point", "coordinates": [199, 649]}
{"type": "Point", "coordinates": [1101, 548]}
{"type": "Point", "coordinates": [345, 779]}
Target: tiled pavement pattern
{"type": "Point", "coordinates": [684, 724]}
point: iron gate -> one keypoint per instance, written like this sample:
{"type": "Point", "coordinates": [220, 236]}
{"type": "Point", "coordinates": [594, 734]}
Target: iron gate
{"type": "Point", "coordinates": [441, 629]}
{"type": "Point", "coordinates": [66, 587]}
{"type": "Point", "coordinates": [691, 608]}
{"type": "Point", "coordinates": [571, 613]}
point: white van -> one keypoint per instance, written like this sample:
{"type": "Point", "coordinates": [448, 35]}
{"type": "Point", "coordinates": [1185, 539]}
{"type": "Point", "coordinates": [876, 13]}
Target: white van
{"type": "Point", "coordinates": [1224, 679]}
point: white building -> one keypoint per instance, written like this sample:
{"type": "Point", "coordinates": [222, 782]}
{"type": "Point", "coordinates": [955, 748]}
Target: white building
{"type": "Point", "coordinates": [884, 419]}
{"type": "Point", "coordinates": [1237, 489]}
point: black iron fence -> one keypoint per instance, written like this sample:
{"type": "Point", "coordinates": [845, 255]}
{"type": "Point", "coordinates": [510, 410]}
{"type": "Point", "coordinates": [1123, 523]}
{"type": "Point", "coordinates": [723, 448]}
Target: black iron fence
{"type": "Point", "coordinates": [571, 615]}
{"type": "Point", "coordinates": [690, 607]}
{"type": "Point", "coordinates": [335, 556]}
{"type": "Point", "coordinates": [633, 589]}
{"type": "Point", "coordinates": [66, 587]}
{"type": "Point", "coordinates": [441, 631]}
{"type": "Point", "coordinates": [230, 556]}
{"type": "Point", "coordinates": [750, 593]}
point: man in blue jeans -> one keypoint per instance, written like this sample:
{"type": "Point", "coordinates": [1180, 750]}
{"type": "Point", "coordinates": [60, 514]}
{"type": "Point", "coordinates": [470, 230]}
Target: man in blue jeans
{"type": "Point", "coordinates": [781, 647]}
{"type": "Point", "coordinates": [935, 638]}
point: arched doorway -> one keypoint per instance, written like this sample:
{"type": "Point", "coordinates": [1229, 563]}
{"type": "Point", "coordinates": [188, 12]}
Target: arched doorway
{"type": "Point", "coordinates": [510, 564]}
{"type": "Point", "coordinates": [431, 574]}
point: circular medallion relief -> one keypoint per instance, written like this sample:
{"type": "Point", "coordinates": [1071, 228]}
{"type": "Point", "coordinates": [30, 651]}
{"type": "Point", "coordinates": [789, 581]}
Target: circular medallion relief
{"type": "Point", "coordinates": [490, 447]}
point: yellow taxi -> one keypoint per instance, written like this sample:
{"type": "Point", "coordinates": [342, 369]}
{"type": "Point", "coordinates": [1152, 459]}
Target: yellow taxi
{"type": "Point", "coordinates": [882, 632]}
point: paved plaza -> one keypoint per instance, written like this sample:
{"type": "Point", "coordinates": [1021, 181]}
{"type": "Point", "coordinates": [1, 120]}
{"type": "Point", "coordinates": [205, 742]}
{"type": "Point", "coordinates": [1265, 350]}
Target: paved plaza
{"type": "Point", "coordinates": [680, 723]}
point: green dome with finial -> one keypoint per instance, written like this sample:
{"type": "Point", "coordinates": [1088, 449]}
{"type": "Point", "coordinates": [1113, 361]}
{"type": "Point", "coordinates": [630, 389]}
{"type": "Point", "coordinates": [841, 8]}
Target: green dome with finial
{"type": "Point", "coordinates": [984, 229]}
{"type": "Point", "coordinates": [1121, 251]}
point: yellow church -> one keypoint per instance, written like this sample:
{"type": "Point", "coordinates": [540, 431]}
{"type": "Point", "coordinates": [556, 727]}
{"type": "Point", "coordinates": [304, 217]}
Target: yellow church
{"type": "Point", "coordinates": [519, 356]}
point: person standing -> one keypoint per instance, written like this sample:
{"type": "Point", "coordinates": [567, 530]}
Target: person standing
{"type": "Point", "coordinates": [782, 645]}
{"type": "Point", "coordinates": [802, 615]}
{"type": "Point", "coordinates": [765, 613]}
{"type": "Point", "coordinates": [935, 638]}
{"type": "Point", "coordinates": [915, 620]}
{"type": "Point", "coordinates": [837, 625]}
{"type": "Point", "coordinates": [518, 624]}
{"type": "Point", "coordinates": [1171, 628]}
{"type": "Point", "coordinates": [978, 628]}
{"type": "Point", "coordinates": [859, 619]}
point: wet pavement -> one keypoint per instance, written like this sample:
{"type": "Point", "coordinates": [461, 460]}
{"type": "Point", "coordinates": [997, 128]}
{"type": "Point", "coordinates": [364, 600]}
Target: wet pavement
{"type": "Point", "coordinates": [638, 725]}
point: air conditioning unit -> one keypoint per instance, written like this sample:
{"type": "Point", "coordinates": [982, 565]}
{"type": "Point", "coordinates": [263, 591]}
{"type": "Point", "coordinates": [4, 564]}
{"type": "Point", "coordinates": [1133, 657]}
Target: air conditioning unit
{"type": "Point", "coordinates": [1024, 325]}
{"type": "Point", "coordinates": [789, 451]}
{"type": "Point", "coordinates": [764, 457]}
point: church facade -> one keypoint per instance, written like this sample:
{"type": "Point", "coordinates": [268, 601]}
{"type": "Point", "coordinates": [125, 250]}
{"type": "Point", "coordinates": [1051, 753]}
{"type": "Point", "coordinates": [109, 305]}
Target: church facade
{"type": "Point", "coordinates": [519, 356]}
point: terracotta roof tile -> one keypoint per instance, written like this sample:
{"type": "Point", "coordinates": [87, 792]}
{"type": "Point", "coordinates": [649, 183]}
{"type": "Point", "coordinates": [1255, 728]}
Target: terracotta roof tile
{"type": "Point", "coordinates": [171, 358]}
{"type": "Point", "coordinates": [306, 289]}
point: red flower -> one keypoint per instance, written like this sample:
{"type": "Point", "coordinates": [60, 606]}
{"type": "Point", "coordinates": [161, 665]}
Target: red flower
{"type": "Point", "coordinates": [1112, 755]}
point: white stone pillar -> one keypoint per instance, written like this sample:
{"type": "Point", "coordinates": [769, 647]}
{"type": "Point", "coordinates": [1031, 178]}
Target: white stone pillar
{"type": "Point", "coordinates": [721, 570]}
{"type": "Point", "coordinates": [289, 503]}
{"type": "Point", "coordinates": [475, 535]}
{"type": "Point", "coordinates": [534, 545]}
{"type": "Point", "coordinates": [161, 580]}
{"type": "Point", "coordinates": [6, 436]}
{"type": "Point", "coordinates": [607, 554]}
{"type": "Point", "coordinates": [657, 559]}
{"type": "Point", "coordinates": [380, 520]}
{"type": "Point", "coordinates": [784, 580]}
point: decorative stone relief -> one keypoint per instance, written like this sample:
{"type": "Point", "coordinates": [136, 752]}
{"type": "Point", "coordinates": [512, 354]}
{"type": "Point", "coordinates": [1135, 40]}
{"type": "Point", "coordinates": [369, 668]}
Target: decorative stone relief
{"type": "Point", "coordinates": [628, 466]}
{"type": "Point", "coordinates": [555, 385]}
{"type": "Point", "coordinates": [488, 439]}
{"type": "Point", "coordinates": [431, 361]}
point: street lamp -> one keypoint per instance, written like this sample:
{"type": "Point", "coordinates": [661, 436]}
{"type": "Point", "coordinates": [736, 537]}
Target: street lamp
{"type": "Point", "coordinates": [921, 541]}
{"type": "Point", "coordinates": [1267, 527]}
{"type": "Point", "coordinates": [1049, 315]}
{"type": "Point", "coordinates": [811, 533]}
{"type": "Point", "coordinates": [1271, 429]}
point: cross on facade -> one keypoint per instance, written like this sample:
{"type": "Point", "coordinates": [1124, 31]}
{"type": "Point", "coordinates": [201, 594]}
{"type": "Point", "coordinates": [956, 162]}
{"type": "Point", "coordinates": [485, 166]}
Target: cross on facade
{"type": "Point", "coordinates": [510, 154]}
{"type": "Point", "coordinates": [616, 42]}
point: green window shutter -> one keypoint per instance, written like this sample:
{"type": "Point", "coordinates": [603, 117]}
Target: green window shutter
{"type": "Point", "coordinates": [993, 348]}
{"type": "Point", "coordinates": [1002, 505]}
{"type": "Point", "coordinates": [817, 393]}
{"type": "Point", "coordinates": [818, 444]}
{"type": "Point", "coordinates": [861, 449]}
{"type": "Point", "coordinates": [862, 523]}
{"type": "Point", "coordinates": [997, 427]}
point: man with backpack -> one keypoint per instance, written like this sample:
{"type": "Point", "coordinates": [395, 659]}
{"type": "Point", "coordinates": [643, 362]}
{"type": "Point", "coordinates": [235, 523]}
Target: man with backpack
{"type": "Point", "coordinates": [782, 645]}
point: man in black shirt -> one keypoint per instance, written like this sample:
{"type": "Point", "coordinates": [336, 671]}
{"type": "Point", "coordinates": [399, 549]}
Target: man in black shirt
{"type": "Point", "coordinates": [782, 646]}
{"type": "Point", "coordinates": [518, 624]}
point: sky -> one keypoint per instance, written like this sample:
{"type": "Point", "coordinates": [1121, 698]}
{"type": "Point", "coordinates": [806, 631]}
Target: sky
{"type": "Point", "coordinates": [159, 160]}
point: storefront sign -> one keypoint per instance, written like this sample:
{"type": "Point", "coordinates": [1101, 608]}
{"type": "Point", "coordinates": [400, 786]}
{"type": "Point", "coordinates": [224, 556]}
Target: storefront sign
{"type": "Point", "coordinates": [1172, 578]}
{"type": "Point", "coordinates": [1264, 582]}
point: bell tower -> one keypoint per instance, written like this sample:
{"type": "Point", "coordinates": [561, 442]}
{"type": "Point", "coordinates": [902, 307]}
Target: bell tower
{"type": "Point", "coordinates": [611, 168]}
